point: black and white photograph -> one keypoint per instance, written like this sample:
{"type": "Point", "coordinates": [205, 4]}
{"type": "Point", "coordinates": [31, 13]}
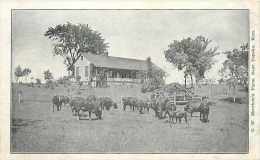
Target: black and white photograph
{"type": "Point", "coordinates": [133, 81]}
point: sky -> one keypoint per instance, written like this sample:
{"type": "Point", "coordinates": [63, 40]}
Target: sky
{"type": "Point", "coordinates": [130, 33]}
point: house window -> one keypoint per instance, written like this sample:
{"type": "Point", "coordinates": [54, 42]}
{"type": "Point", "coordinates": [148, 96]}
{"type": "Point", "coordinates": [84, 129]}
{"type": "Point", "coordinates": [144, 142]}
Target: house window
{"type": "Point", "coordinates": [133, 75]}
{"type": "Point", "coordinates": [123, 75]}
{"type": "Point", "coordinates": [86, 71]}
{"type": "Point", "coordinates": [77, 71]}
{"type": "Point", "coordinates": [114, 74]}
{"type": "Point", "coordinates": [110, 74]}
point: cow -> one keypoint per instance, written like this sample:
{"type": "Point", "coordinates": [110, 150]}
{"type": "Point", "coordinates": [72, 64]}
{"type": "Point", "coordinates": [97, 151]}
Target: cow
{"type": "Point", "coordinates": [178, 115]}
{"type": "Point", "coordinates": [91, 105]}
{"type": "Point", "coordinates": [58, 101]}
{"type": "Point", "coordinates": [162, 106]}
{"type": "Point", "coordinates": [106, 103]}
{"type": "Point", "coordinates": [192, 108]}
{"type": "Point", "coordinates": [203, 109]}
{"type": "Point", "coordinates": [75, 104]}
{"type": "Point", "coordinates": [65, 100]}
{"type": "Point", "coordinates": [140, 105]}
{"type": "Point", "coordinates": [129, 101]}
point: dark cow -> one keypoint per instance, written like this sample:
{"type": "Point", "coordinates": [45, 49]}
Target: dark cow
{"type": "Point", "coordinates": [162, 106]}
{"type": "Point", "coordinates": [58, 101]}
{"type": "Point", "coordinates": [178, 116]}
{"type": "Point", "coordinates": [131, 102]}
{"type": "Point", "coordinates": [115, 105]}
{"type": "Point", "coordinates": [75, 104]}
{"type": "Point", "coordinates": [65, 100]}
{"type": "Point", "coordinates": [140, 105]}
{"type": "Point", "coordinates": [192, 108]}
{"type": "Point", "coordinates": [203, 109]}
{"type": "Point", "coordinates": [91, 105]}
{"type": "Point", "coordinates": [106, 103]}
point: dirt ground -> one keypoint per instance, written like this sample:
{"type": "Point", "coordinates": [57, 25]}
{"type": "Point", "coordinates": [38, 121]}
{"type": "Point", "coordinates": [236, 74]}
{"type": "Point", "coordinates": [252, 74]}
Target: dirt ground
{"type": "Point", "coordinates": [35, 128]}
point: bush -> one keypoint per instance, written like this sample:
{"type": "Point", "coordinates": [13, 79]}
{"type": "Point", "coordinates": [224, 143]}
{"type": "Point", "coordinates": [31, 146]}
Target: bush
{"type": "Point", "coordinates": [78, 78]}
{"type": "Point", "coordinates": [65, 80]}
{"type": "Point", "coordinates": [50, 84]}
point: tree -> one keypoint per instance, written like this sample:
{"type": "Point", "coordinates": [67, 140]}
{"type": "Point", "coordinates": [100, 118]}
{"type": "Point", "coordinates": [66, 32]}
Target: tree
{"type": "Point", "coordinates": [193, 56]}
{"type": "Point", "coordinates": [47, 75]}
{"type": "Point", "coordinates": [48, 78]}
{"type": "Point", "coordinates": [18, 73]}
{"type": "Point", "coordinates": [153, 78]}
{"type": "Point", "coordinates": [26, 72]}
{"type": "Point", "coordinates": [71, 40]}
{"type": "Point", "coordinates": [236, 66]}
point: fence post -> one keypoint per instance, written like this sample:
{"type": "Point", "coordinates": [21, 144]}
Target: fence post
{"type": "Point", "coordinates": [121, 101]}
{"type": "Point", "coordinates": [174, 98]}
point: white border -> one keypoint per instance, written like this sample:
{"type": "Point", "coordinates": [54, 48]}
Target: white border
{"type": "Point", "coordinates": [5, 53]}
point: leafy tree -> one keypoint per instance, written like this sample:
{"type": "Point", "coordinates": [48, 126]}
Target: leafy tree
{"type": "Point", "coordinates": [153, 78]}
{"type": "Point", "coordinates": [193, 56]}
{"type": "Point", "coordinates": [71, 40]}
{"type": "Point", "coordinates": [47, 75]}
{"type": "Point", "coordinates": [26, 72]}
{"type": "Point", "coordinates": [18, 73]}
{"type": "Point", "coordinates": [236, 65]}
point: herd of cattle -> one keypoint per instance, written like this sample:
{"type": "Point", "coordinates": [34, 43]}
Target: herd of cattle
{"type": "Point", "coordinates": [162, 107]}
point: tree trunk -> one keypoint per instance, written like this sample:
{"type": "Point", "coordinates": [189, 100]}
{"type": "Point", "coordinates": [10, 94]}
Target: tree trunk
{"type": "Point", "coordinates": [185, 81]}
{"type": "Point", "coordinates": [191, 78]}
{"type": "Point", "coordinates": [71, 70]}
{"type": "Point", "coordinates": [234, 94]}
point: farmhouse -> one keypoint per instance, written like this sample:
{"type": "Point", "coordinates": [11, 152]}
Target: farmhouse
{"type": "Point", "coordinates": [98, 70]}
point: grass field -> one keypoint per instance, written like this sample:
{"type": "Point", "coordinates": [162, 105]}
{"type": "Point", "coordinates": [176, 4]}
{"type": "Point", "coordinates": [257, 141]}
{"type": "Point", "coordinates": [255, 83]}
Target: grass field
{"type": "Point", "coordinates": [35, 128]}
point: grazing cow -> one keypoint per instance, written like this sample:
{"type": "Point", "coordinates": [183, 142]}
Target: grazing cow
{"type": "Point", "coordinates": [91, 105]}
{"type": "Point", "coordinates": [178, 116]}
{"type": "Point", "coordinates": [203, 109]}
{"type": "Point", "coordinates": [162, 106]}
{"type": "Point", "coordinates": [57, 101]}
{"type": "Point", "coordinates": [129, 101]}
{"type": "Point", "coordinates": [147, 104]}
{"type": "Point", "coordinates": [192, 108]}
{"type": "Point", "coordinates": [75, 104]}
{"type": "Point", "coordinates": [106, 103]}
{"type": "Point", "coordinates": [115, 105]}
{"type": "Point", "coordinates": [65, 100]}
{"type": "Point", "coordinates": [141, 105]}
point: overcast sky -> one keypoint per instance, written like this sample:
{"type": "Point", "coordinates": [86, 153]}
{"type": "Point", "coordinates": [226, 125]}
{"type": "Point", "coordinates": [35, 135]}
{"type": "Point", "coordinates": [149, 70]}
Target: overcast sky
{"type": "Point", "coordinates": [130, 33]}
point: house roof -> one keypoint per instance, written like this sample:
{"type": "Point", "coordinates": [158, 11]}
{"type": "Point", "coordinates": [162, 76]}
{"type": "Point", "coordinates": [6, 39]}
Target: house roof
{"type": "Point", "coordinates": [118, 62]}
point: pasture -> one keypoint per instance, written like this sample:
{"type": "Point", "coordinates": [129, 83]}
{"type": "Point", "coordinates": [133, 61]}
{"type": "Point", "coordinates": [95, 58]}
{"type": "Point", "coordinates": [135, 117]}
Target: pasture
{"type": "Point", "coordinates": [35, 128]}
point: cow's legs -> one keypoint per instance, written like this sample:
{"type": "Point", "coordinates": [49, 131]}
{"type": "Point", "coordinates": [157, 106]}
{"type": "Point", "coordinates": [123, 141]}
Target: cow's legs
{"type": "Point", "coordinates": [185, 117]}
{"type": "Point", "coordinates": [89, 113]}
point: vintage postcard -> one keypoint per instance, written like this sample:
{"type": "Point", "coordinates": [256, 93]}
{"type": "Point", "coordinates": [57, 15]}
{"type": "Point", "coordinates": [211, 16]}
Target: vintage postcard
{"type": "Point", "coordinates": [140, 82]}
